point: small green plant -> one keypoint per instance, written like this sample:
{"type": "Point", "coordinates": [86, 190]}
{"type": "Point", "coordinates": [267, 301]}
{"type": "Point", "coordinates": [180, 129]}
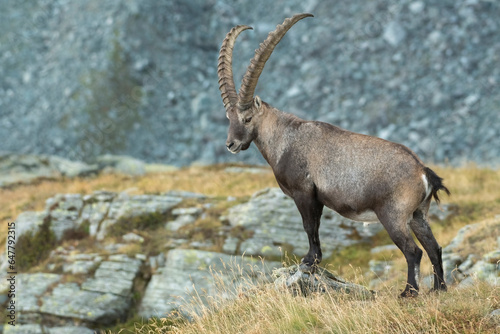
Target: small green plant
{"type": "Point", "coordinates": [142, 222]}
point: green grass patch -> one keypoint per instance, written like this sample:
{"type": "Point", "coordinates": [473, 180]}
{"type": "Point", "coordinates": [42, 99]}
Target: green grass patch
{"type": "Point", "coordinates": [34, 247]}
{"type": "Point", "coordinates": [343, 261]}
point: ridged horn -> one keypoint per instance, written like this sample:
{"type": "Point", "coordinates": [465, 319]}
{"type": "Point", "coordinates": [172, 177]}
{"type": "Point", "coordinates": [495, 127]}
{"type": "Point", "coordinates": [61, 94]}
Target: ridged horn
{"type": "Point", "coordinates": [225, 67]}
{"type": "Point", "coordinates": [262, 54]}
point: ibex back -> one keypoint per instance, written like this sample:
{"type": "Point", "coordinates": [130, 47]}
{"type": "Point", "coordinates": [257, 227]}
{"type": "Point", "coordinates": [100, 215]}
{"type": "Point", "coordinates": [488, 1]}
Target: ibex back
{"type": "Point", "coordinates": [361, 177]}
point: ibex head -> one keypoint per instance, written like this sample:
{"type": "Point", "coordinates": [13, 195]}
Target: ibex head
{"type": "Point", "coordinates": [243, 110]}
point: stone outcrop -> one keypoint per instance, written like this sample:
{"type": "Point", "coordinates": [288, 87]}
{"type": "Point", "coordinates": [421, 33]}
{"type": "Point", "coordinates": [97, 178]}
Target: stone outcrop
{"type": "Point", "coordinates": [463, 268]}
{"type": "Point", "coordinates": [16, 168]}
{"type": "Point", "coordinates": [101, 299]}
{"type": "Point", "coordinates": [28, 168]}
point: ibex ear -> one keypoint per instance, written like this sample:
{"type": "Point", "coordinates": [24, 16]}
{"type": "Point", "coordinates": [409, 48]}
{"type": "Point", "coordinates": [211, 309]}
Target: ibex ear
{"type": "Point", "coordinates": [257, 104]}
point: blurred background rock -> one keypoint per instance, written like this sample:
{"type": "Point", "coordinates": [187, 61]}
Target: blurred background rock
{"type": "Point", "coordinates": [80, 79]}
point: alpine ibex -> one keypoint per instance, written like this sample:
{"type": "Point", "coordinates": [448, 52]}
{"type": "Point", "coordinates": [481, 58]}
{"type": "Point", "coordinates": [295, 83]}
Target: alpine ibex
{"type": "Point", "coordinates": [361, 177]}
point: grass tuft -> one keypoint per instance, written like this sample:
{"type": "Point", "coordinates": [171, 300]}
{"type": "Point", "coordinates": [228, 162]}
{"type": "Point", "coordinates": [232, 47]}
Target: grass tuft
{"type": "Point", "coordinates": [34, 247]}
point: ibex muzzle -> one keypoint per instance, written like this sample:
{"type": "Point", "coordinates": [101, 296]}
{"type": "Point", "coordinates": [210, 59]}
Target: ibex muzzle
{"type": "Point", "coordinates": [317, 164]}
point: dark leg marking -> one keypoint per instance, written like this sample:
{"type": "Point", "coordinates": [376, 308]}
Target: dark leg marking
{"type": "Point", "coordinates": [396, 225]}
{"type": "Point", "coordinates": [420, 226]}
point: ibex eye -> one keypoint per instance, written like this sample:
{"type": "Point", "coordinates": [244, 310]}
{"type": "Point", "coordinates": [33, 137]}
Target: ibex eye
{"type": "Point", "coordinates": [248, 120]}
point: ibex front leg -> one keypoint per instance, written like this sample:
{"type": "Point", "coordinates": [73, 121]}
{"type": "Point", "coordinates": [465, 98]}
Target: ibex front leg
{"type": "Point", "coordinates": [311, 210]}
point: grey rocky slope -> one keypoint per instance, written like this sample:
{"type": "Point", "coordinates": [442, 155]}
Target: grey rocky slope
{"type": "Point", "coordinates": [81, 79]}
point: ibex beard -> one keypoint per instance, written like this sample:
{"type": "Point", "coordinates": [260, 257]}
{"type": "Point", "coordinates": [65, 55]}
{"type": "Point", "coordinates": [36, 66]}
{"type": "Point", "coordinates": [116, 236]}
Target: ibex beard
{"type": "Point", "coordinates": [317, 164]}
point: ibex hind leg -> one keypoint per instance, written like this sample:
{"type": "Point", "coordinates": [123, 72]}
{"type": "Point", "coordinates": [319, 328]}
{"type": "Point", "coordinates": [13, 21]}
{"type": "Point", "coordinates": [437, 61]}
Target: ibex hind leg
{"type": "Point", "coordinates": [396, 225]}
{"type": "Point", "coordinates": [420, 226]}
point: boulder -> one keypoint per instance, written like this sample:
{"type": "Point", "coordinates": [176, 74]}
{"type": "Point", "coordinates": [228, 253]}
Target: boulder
{"type": "Point", "coordinates": [305, 283]}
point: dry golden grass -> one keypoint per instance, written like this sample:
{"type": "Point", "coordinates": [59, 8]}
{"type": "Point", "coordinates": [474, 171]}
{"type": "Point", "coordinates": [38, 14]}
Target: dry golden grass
{"type": "Point", "coordinates": [476, 192]}
{"type": "Point", "coordinates": [268, 310]}
{"type": "Point", "coordinates": [471, 183]}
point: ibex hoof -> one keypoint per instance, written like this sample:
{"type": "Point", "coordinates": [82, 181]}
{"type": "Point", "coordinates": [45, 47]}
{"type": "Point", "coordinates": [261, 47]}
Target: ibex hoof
{"type": "Point", "coordinates": [307, 268]}
{"type": "Point", "coordinates": [409, 294]}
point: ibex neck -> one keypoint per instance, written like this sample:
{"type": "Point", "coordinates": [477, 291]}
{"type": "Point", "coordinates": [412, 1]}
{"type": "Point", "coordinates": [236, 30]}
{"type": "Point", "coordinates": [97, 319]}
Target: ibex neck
{"type": "Point", "coordinates": [274, 134]}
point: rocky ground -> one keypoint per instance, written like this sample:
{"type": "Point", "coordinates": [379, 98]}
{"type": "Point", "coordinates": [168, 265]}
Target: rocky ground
{"type": "Point", "coordinates": [82, 79]}
{"type": "Point", "coordinates": [17, 169]}
{"type": "Point", "coordinates": [109, 257]}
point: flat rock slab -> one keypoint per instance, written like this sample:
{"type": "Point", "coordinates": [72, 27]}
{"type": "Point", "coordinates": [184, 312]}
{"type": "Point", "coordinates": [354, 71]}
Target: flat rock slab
{"type": "Point", "coordinates": [31, 287]}
{"type": "Point", "coordinates": [115, 286]}
{"type": "Point", "coordinates": [130, 206]}
{"type": "Point", "coordinates": [115, 277]}
{"type": "Point", "coordinates": [189, 271]}
{"type": "Point", "coordinates": [69, 301]}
